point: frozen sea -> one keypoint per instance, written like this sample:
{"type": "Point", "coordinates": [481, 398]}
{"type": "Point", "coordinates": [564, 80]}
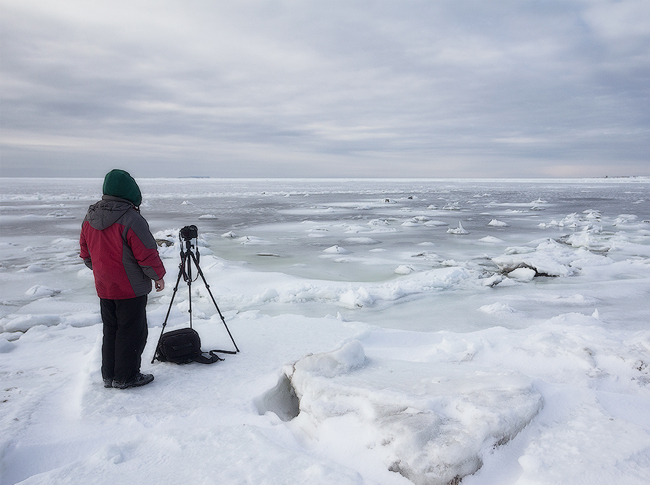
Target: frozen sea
{"type": "Point", "coordinates": [391, 332]}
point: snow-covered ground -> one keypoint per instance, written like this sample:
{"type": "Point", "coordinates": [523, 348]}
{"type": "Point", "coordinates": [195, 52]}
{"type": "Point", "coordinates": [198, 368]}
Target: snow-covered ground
{"type": "Point", "coordinates": [391, 332]}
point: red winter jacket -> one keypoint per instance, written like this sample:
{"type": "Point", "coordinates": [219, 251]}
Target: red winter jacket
{"type": "Point", "coordinates": [117, 245]}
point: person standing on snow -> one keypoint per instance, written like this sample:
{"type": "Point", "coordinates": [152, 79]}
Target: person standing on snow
{"type": "Point", "coordinates": [117, 245]}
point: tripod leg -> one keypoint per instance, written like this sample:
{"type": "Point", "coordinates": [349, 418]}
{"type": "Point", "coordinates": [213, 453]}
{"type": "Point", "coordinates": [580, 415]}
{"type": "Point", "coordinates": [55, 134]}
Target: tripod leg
{"type": "Point", "coordinates": [207, 287]}
{"type": "Point", "coordinates": [189, 283]}
{"type": "Point", "coordinates": [180, 273]}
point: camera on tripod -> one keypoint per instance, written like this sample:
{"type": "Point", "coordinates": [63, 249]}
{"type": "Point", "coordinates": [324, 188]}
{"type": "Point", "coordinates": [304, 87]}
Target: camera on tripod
{"type": "Point", "coordinates": [189, 232]}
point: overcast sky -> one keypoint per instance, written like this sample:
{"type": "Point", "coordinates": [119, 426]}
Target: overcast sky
{"type": "Point", "coordinates": [325, 88]}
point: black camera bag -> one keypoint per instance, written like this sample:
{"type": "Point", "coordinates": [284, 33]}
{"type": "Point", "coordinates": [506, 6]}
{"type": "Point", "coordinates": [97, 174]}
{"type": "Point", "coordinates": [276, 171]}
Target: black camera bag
{"type": "Point", "coordinates": [182, 347]}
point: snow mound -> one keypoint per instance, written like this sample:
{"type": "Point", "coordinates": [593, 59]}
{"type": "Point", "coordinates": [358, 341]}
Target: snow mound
{"type": "Point", "coordinates": [361, 240]}
{"type": "Point", "coordinates": [336, 249]}
{"type": "Point", "coordinates": [410, 223]}
{"type": "Point", "coordinates": [549, 258]}
{"type": "Point", "coordinates": [403, 269]}
{"type": "Point", "coordinates": [356, 299]}
{"type": "Point", "coordinates": [22, 323]}
{"type": "Point", "coordinates": [623, 219]}
{"type": "Point", "coordinates": [253, 241]}
{"type": "Point", "coordinates": [435, 432]}
{"type": "Point", "coordinates": [35, 268]}
{"type": "Point", "coordinates": [589, 239]}
{"type": "Point", "coordinates": [497, 308]}
{"type": "Point", "coordinates": [5, 346]}
{"type": "Point", "coordinates": [522, 274]}
{"type": "Point", "coordinates": [575, 220]}
{"type": "Point", "coordinates": [497, 223]}
{"type": "Point", "coordinates": [40, 291]}
{"type": "Point", "coordinates": [491, 239]}
{"type": "Point", "coordinates": [435, 223]}
{"type": "Point", "coordinates": [458, 230]}
{"type": "Point", "coordinates": [330, 364]}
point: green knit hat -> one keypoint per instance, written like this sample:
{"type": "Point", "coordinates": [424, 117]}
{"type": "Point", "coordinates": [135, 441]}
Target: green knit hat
{"type": "Point", "coordinates": [119, 183]}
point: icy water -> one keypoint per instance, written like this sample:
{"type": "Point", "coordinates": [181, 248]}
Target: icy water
{"type": "Point", "coordinates": [357, 231]}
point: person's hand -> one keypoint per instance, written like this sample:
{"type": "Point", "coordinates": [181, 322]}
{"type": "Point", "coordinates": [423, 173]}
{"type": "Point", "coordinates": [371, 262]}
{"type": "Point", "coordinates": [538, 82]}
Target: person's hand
{"type": "Point", "coordinates": [160, 285]}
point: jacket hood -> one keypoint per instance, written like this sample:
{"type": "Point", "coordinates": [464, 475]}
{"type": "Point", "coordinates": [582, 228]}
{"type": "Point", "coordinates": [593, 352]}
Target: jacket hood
{"type": "Point", "coordinates": [119, 183]}
{"type": "Point", "coordinates": [107, 211]}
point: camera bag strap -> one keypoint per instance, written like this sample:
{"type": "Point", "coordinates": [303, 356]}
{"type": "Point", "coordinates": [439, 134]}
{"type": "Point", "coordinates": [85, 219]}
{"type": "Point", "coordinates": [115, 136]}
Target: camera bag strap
{"type": "Point", "coordinates": [211, 356]}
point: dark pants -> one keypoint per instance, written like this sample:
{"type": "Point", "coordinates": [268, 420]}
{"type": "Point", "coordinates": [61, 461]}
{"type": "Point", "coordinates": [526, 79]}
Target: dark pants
{"type": "Point", "coordinates": [125, 335]}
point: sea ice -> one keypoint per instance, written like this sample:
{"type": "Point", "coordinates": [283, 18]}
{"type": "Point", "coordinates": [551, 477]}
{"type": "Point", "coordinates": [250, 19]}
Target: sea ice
{"type": "Point", "coordinates": [399, 366]}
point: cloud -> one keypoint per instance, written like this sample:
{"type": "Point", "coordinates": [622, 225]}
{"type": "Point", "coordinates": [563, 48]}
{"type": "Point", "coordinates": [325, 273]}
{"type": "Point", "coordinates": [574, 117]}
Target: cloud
{"type": "Point", "coordinates": [264, 88]}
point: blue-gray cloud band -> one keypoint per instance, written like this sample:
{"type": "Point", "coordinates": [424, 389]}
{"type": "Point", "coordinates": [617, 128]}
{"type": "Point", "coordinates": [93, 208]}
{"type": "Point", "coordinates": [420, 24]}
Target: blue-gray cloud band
{"type": "Point", "coordinates": [337, 88]}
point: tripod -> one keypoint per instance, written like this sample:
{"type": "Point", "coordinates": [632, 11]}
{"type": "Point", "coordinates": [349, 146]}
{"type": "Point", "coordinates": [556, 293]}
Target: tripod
{"type": "Point", "coordinates": [188, 257]}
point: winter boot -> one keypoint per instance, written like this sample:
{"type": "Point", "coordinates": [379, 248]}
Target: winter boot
{"type": "Point", "coordinates": [137, 381]}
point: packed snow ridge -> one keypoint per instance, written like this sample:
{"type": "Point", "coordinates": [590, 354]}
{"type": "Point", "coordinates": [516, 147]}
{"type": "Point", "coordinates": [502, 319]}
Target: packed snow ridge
{"type": "Point", "coordinates": [421, 432]}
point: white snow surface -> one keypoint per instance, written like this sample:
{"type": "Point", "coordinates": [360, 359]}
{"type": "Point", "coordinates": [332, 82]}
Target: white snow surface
{"type": "Point", "coordinates": [517, 359]}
